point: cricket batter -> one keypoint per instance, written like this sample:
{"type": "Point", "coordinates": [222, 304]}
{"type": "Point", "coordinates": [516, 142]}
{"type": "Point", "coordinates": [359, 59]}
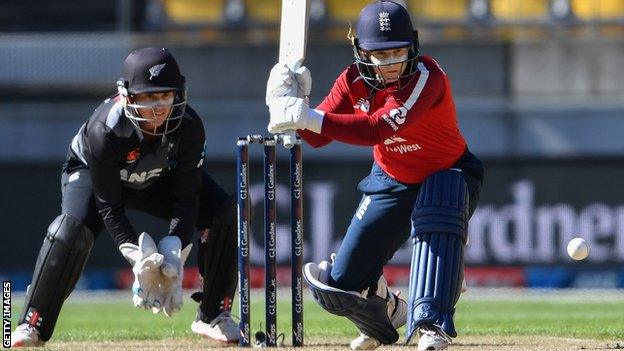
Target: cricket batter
{"type": "Point", "coordinates": [423, 176]}
{"type": "Point", "coordinates": [143, 148]}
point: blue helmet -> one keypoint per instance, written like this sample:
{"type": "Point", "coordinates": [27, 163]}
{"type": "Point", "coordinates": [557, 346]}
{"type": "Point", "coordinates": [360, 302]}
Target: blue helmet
{"type": "Point", "coordinates": [384, 25]}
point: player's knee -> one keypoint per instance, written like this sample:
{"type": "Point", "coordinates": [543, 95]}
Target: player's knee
{"type": "Point", "coordinates": [344, 280]}
{"type": "Point", "coordinates": [67, 230]}
{"type": "Point", "coordinates": [222, 215]}
{"type": "Point", "coordinates": [442, 205]}
{"type": "Point", "coordinates": [340, 281]}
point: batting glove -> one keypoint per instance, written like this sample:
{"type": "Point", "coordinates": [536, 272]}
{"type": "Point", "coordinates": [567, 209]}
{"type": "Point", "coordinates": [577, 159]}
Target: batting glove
{"type": "Point", "coordinates": [283, 81]}
{"type": "Point", "coordinates": [290, 113]}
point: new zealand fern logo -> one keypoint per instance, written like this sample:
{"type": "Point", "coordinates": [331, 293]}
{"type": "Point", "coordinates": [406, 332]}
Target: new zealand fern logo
{"type": "Point", "coordinates": [155, 70]}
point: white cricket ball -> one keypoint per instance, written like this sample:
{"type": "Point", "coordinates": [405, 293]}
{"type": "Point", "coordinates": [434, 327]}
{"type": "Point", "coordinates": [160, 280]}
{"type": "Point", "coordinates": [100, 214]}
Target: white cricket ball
{"type": "Point", "coordinates": [578, 249]}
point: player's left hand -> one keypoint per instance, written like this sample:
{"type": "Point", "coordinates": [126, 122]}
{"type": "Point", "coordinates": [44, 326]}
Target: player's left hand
{"type": "Point", "coordinates": [280, 82]}
{"type": "Point", "coordinates": [172, 271]}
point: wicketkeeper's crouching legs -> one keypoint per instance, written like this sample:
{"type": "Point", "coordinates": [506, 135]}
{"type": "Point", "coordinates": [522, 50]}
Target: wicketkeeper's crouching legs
{"type": "Point", "coordinates": [218, 268]}
{"type": "Point", "coordinates": [61, 260]}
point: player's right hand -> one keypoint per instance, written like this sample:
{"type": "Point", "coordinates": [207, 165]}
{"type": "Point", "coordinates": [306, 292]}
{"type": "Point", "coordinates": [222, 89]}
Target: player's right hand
{"type": "Point", "coordinates": [283, 81]}
{"type": "Point", "coordinates": [304, 81]}
{"type": "Point", "coordinates": [146, 262]}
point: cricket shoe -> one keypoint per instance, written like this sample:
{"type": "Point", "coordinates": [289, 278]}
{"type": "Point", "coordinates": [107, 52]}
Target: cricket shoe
{"type": "Point", "coordinates": [223, 328]}
{"type": "Point", "coordinates": [397, 307]}
{"type": "Point", "coordinates": [432, 338]}
{"type": "Point", "coordinates": [364, 342]}
{"type": "Point", "coordinates": [25, 335]}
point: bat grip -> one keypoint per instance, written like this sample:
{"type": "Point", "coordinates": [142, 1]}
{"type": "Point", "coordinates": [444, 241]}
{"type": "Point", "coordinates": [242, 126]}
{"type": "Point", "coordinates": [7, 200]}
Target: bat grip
{"type": "Point", "coordinates": [289, 138]}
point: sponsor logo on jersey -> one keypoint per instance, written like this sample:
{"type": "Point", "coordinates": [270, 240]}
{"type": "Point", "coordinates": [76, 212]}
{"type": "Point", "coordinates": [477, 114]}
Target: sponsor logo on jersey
{"type": "Point", "coordinates": [133, 155]}
{"type": "Point", "coordinates": [139, 177]}
{"type": "Point", "coordinates": [362, 104]}
{"type": "Point", "coordinates": [390, 122]}
{"type": "Point", "coordinates": [403, 149]}
{"type": "Point", "coordinates": [396, 117]}
{"type": "Point", "coordinates": [394, 139]}
{"type": "Point", "coordinates": [155, 70]}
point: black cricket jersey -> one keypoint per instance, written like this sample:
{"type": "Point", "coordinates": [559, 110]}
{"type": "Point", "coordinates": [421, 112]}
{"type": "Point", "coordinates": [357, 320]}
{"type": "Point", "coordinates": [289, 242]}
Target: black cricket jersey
{"type": "Point", "coordinates": [122, 160]}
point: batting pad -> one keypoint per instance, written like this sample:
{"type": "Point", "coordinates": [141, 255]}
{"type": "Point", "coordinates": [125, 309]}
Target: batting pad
{"type": "Point", "coordinates": [436, 262]}
{"type": "Point", "coordinates": [370, 315]}
{"type": "Point", "coordinates": [439, 227]}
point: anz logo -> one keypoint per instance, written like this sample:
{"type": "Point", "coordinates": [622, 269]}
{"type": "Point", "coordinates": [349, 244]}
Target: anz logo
{"type": "Point", "coordinates": [139, 177]}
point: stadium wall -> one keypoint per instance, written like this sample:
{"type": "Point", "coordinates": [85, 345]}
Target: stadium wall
{"type": "Point", "coordinates": [529, 210]}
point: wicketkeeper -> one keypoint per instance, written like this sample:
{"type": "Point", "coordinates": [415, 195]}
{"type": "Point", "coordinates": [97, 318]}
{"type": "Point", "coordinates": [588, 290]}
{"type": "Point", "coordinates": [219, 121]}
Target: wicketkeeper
{"type": "Point", "coordinates": [142, 148]}
{"type": "Point", "coordinates": [423, 176]}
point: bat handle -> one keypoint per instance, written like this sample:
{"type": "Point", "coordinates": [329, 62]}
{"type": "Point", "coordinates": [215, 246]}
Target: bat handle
{"type": "Point", "coordinates": [289, 138]}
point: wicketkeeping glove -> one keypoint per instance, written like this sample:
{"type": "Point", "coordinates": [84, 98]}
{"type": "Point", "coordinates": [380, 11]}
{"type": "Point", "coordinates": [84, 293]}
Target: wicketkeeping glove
{"type": "Point", "coordinates": [146, 263]}
{"type": "Point", "coordinates": [172, 273]}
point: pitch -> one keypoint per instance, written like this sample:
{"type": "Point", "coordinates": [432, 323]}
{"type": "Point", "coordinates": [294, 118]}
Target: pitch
{"type": "Point", "coordinates": [486, 320]}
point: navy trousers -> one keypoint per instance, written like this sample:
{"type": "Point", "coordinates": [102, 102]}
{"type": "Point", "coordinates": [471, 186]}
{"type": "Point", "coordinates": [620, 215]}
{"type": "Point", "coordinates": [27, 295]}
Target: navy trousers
{"type": "Point", "coordinates": [380, 224]}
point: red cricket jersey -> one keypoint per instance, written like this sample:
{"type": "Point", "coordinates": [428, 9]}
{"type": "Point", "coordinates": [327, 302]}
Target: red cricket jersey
{"type": "Point", "coordinates": [413, 131]}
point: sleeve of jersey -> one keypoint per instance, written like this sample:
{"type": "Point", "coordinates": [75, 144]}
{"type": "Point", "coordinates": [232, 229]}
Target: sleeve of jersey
{"type": "Point", "coordinates": [107, 186]}
{"type": "Point", "coordinates": [187, 181]}
{"type": "Point", "coordinates": [369, 130]}
{"type": "Point", "coordinates": [336, 101]}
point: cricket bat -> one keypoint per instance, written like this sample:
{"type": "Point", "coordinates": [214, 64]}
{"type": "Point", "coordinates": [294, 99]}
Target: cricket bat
{"type": "Point", "coordinates": [293, 38]}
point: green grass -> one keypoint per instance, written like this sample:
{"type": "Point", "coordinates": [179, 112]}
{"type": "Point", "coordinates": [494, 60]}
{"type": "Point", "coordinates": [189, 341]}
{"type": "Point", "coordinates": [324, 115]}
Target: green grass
{"type": "Point", "coordinates": [595, 319]}
{"type": "Point", "coordinates": [116, 319]}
